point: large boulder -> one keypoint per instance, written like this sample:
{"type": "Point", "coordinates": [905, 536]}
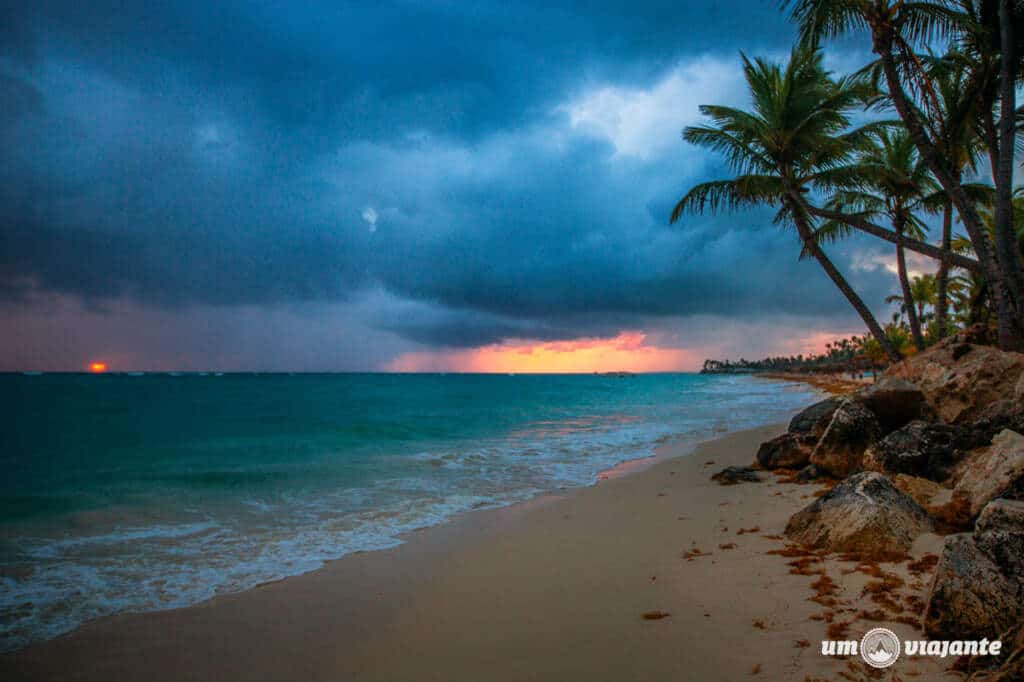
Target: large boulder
{"type": "Point", "coordinates": [960, 378]}
{"type": "Point", "coordinates": [813, 420]}
{"type": "Point", "coordinates": [989, 472]}
{"type": "Point", "coordinates": [788, 451]}
{"type": "Point", "coordinates": [865, 514]}
{"type": "Point", "coordinates": [920, 448]}
{"type": "Point", "coordinates": [972, 594]}
{"type": "Point", "coordinates": [840, 450]}
{"type": "Point", "coordinates": [895, 402]}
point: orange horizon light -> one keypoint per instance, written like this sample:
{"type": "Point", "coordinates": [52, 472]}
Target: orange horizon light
{"type": "Point", "coordinates": [627, 351]}
{"type": "Point", "coordinates": [97, 367]}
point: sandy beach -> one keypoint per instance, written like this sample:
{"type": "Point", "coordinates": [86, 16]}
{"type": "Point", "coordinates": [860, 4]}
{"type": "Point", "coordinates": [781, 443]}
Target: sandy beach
{"type": "Point", "coordinates": [553, 589]}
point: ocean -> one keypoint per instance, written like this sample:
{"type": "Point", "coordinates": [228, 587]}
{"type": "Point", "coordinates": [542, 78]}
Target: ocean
{"type": "Point", "coordinates": [136, 493]}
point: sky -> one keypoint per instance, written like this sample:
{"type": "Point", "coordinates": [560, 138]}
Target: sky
{"type": "Point", "coordinates": [406, 186]}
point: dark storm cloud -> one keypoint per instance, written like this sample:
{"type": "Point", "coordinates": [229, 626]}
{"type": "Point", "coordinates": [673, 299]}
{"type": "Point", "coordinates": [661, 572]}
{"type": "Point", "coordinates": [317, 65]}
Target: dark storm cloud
{"type": "Point", "coordinates": [229, 153]}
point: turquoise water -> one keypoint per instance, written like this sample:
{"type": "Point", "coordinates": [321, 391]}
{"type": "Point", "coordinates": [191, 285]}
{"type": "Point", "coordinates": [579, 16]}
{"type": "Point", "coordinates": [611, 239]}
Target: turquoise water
{"type": "Point", "coordinates": [147, 492]}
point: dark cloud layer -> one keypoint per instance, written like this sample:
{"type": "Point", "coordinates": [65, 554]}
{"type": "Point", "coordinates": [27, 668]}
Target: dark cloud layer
{"type": "Point", "coordinates": [452, 155]}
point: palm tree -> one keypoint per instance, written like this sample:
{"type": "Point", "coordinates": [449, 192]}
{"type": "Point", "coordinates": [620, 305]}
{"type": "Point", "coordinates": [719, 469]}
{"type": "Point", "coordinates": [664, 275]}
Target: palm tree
{"type": "Point", "coordinates": [888, 178]}
{"type": "Point", "coordinates": [895, 26]}
{"type": "Point", "coordinates": [795, 134]}
{"type": "Point", "coordinates": [922, 291]}
{"type": "Point", "coordinates": [959, 139]}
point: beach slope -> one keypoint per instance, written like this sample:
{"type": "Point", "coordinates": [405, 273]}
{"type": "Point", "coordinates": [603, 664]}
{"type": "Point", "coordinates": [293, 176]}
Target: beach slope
{"type": "Point", "coordinates": [555, 589]}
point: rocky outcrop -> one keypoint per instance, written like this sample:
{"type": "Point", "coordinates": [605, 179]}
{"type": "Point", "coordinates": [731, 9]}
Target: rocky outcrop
{"type": "Point", "coordinates": [865, 514]}
{"type": "Point", "coordinates": [732, 475]}
{"type": "Point", "coordinates": [920, 448]}
{"type": "Point", "coordinates": [977, 590]}
{"type": "Point", "coordinates": [788, 451]}
{"type": "Point", "coordinates": [895, 402]}
{"type": "Point", "coordinates": [988, 472]}
{"type": "Point", "coordinates": [813, 420]}
{"type": "Point", "coordinates": [960, 379]}
{"type": "Point", "coordinates": [852, 429]}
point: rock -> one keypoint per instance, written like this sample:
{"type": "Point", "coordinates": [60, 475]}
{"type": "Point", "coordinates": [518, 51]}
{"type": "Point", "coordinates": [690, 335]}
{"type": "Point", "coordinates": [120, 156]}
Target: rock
{"type": "Point", "coordinates": [840, 450]}
{"type": "Point", "coordinates": [1002, 414]}
{"type": "Point", "coordinates": [814, 420]}
{"type": "Point", "coordinates": [788, 451]}
{"type": "Point", "coordinates": [1001, 515]}
{"type": "Point", "coordinates": [732, 475]}
{"type": "Point", "coordinates": [808, 474]}
{"type": "Point", "coordinates": [865, 514]}
{"type": "Point", "coordinates": [960, 379]}
{"type": "Point", "coordinates": [988, 472]}
{"type": "Point", "coordinates": [920, 490]}
{"type": "Point", "coordinates": [895, 402]}
{"type": "Point", "coordinates": [920, 449]}
{"type": "Point", "coordinates": [1018, 391]}
{"type": "Point", "coordinates": [977, 590]}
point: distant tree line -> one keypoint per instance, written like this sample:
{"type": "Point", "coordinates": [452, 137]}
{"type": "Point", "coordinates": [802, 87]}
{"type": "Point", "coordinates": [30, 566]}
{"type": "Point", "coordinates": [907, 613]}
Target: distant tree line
{"type": "Point", "coordinates": [853, 354]}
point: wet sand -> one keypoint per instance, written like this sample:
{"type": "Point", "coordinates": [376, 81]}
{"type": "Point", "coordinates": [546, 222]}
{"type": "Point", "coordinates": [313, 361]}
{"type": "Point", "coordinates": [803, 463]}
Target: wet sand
{"type": "Point", "coordinates": [555, 589]}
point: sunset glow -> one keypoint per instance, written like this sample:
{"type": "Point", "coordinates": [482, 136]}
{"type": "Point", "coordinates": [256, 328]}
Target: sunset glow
{"type": "Point", "coordinates": [98, 367]}
{"type": "Point", "coordinates": [628, 351]}
{"type": "Point", "coordinates": [816, 342]}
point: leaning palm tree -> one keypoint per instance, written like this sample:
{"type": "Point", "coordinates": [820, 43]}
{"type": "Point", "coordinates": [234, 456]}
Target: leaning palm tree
{"type": "Point", "coordinates": [796, 133]}
{"type": "Point", "coordinates": [887, 178]}
{"type": "Point", "coordinates": [895, 27]}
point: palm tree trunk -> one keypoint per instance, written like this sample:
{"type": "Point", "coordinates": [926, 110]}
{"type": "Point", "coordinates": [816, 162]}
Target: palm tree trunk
{"type": "Point", "coordinates": [942, 277]}
{"type": "Point", "coordinates": [923, 248]}
{"type": "Point", "coordinates": [814, 249]}
{"type": "Point", "coordinates": [1005, 294]}
{"type": "Point", "coordinates": [1007, 251]}
{"type": "Point", "coordinates": [908, 295]}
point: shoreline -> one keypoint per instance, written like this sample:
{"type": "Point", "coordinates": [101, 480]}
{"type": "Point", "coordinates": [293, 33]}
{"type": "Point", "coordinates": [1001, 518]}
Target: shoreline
{"type": "Point", "coordinates": [674, 446]}
{"type": "Point", "coordinates": [834, 383]}
{"type": "Point", "coordinates": [553, 587]}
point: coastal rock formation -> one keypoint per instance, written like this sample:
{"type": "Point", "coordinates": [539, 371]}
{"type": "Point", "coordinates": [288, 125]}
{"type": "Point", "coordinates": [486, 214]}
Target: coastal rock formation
{"type": "Point", "coordinates": [865, 514]}
{"type": "Point", "coordinates": [732, 475]}
{"type": "Point", "coordinates": [989, 472]}
{"type": "Point", "coordinates": [788, 451]}
{"type": "Point", "coordinates": [920, 449]}
{"type": "Point", "coordinates": [978, 588]}
{"type": "Point", "coordinates": [852, 429]}
{"type": "Point", "coordinates": [975, 592]}
{"type": "Point", "coordinates": [895, 402]}
{"type": "Point", "coordinates": [813, 420]}
{"type": "Point", "coordinates": [960, 379]}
